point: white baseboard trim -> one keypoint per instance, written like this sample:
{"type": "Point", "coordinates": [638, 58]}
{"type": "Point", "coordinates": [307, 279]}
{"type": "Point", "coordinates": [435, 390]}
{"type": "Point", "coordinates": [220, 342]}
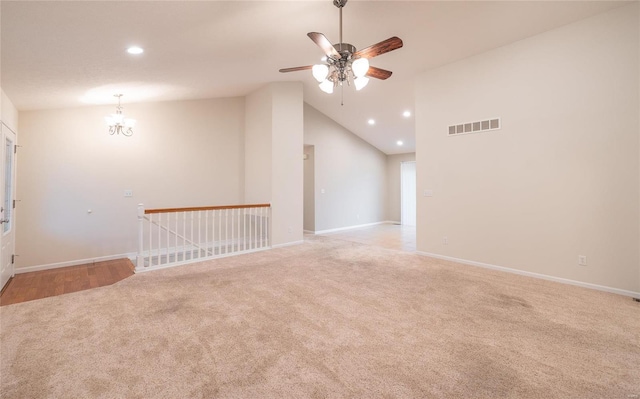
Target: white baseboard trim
{"type": "Point", "coordinates": [288, 244]}
{"type": "Point", "coordinates": [349, 227]}
{"type": "Point", "coordinates": [37, 268]}
{"type": "Point", "coordinates": [535, 275]}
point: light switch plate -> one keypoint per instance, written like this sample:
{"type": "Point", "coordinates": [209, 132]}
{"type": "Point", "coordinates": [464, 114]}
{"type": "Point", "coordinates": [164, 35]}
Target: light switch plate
{"type": "Point", "coordinates": [428, 193]}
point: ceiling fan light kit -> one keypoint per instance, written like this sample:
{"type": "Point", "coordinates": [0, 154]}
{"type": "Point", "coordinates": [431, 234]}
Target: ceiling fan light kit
{"type": "Point", "coordinates": [344, 63]}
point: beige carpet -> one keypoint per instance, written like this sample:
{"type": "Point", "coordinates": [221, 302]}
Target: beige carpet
{"type": "Point", "coordinates": [327, 319]}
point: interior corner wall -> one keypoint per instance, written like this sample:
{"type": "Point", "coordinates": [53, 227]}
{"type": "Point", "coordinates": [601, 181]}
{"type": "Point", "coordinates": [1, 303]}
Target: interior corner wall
{"type": "Point", "coordinates": [273, 157]}
{"type": "Point", "coordinates": [257, 146]}
{"type": "Point", "coordinates": [8, 112]}
{"type": "Point", "coordinates": [350, 174]}
{"type": "Point", "coordinates": [394, 204]}
{"type": "Point", "coordinates": [72, 174]}
{"type": "Point", "coordinates": [309, 189]}
{"type": "Point", "coordinates": [287, 191]}
{"type": "Point", "coordinates": [561, 178]}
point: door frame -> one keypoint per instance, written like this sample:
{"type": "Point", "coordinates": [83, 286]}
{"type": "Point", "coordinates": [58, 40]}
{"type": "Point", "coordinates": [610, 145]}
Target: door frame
{"type": "Point", "coordinates": [7, 255]}
{"type": "Point", "coordinates": [403, 193]}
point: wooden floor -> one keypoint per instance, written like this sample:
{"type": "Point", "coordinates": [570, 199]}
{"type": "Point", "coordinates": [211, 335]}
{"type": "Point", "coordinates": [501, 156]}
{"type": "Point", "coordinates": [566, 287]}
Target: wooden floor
{"type": "Point", "coordinates": [35, 285]}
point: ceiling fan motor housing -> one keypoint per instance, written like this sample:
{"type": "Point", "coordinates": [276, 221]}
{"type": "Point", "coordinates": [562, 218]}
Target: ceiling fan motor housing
{"type": "Point", "coordinates": [343, 64]}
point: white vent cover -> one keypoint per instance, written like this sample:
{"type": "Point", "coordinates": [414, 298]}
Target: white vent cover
{"type": "Point", "coordinates": [475, 127]}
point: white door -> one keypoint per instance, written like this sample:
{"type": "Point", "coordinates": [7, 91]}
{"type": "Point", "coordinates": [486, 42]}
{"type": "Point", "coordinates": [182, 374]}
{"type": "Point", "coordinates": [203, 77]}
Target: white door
{"type": "Point", "coordinates": [408, 192]}
{"type": "Point", "coordinates": [7, 218]}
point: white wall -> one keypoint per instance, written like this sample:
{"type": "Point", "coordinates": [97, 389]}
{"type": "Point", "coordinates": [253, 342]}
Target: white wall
{"type": "Point", "coordinates": [257, 157]}
{"type": "Point", "coordinates": [309, 189]}
{"type": "Point", "coordinates": [561, 178]}
{"type": "Point", "coordinates": [351, 172]}
{"type": "Point", "coordinates": [274, 170]}
{"type": "Point", "coordinates": [183, 153]}
{"type": "Point", "coordinates": [8, 112]}
{"type": "Point", "coordinates": [394, 205]}
{"type": "Point", "coordinates": [287, 168]}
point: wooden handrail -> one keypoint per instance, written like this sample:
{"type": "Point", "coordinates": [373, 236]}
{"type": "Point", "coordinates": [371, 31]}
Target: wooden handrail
{"type": "Point", "coordinates": [205, 208]}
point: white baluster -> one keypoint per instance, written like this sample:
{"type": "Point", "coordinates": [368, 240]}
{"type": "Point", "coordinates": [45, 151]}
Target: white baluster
{"type": "Point", "coordinates": [261, 228]}
{"type": "Point", "coordinates": [232, 228]}
{"type": "Point", "coordinates": [226, 231]}
{"type": "Point", "coordinates": [167, 251]}
{"type": "Point", "coordinates": [159, 237]}
{"type": "Point", "coordinates": [175, 233]}
{"type": "Point", "coordinates": [199, 234]}
{"type": "Point", "coordinates": [206, 232]}
{"type": "Point", "coordinates": [140, 255]}
{"type": "Point", "coordinates": [184, 236]}
{"type": "Point", "coordinates": [151, 239]}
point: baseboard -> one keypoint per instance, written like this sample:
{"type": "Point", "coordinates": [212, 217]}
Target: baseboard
{"type": "Point", "coordinates": [77, 262]}
{"type": "Point", "coordinates": [350, 227]}
{"type": "Point", "coordinates": [535, 275]}
{"type": "Point", "coordinates": [288, 244]}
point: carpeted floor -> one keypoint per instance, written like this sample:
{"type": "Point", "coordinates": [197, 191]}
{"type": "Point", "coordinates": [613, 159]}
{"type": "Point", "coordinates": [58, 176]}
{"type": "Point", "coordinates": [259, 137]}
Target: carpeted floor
{"type": "Point", "coordinates": [326, 319]}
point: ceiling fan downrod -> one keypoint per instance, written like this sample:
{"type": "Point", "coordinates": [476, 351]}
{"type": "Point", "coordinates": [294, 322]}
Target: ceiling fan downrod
{"type": "Point", "coordinates": [340, 4]}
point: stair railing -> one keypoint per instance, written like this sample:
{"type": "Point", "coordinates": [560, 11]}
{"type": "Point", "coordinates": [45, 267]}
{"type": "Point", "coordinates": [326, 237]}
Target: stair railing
{"type": "Point", "coordinates": [175, 236]}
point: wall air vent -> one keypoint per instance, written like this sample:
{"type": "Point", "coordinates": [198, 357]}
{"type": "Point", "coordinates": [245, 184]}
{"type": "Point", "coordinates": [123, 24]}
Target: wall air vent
{"type": "Point", "coordinates": [475, 127]}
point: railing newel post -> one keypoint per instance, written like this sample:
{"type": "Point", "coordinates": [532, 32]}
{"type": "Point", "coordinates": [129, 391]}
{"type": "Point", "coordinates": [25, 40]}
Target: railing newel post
{"type": "Point", "coordinates": [140, 255]}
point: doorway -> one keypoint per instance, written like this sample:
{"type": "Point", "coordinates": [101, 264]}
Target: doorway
{"type": "Point", "coordinates": [408, 193]}
{"type": "Point", "coordinates": [7, 219]}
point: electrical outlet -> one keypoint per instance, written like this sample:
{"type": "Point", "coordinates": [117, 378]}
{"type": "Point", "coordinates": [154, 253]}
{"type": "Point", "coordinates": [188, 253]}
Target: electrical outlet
{"type": "Point", "coordinates": [128, 193]}
{"type": "Point", "coordinates": [582, 260]}
{"type": "Point", "coordinates": [445, 241]}
{"type": "Point", "coordinates": [358, 216]}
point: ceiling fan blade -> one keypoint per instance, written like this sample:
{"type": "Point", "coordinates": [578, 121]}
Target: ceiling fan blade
{"type": "Point", "coordinates": [392, 43]}
{"type": "Point", "coordinates": [302, 68]}
{"type": "Point", "coordinates": [378, 73]}
{"type": "Point", "coordinates": [324, 43]}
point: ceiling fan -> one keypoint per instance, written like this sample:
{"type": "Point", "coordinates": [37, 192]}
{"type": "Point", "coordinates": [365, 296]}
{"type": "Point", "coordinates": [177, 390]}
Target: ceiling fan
{"type": "Point", "coordinates": [344, 63]}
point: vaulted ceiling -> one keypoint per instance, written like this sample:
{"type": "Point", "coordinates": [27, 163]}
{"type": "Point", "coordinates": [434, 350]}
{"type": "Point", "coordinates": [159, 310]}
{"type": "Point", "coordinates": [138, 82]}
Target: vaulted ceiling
{"type": "Point", "coordinates": [58, 54]}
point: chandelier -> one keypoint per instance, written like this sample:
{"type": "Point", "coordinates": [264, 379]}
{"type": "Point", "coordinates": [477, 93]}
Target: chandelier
{"type": "Point", "coordinates": [337, 71]}
{"type": "Point", "coordinates": [118, 123]}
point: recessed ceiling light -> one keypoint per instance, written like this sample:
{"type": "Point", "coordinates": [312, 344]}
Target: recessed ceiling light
{"type": "Point", "coordinates": [371, 122]}
{"type": "Point", "coordinates": [399, 142]}
{"type": "Point", "coordinates": [406, 114]}
{"type": "Point", "coordinates": [135, 50]}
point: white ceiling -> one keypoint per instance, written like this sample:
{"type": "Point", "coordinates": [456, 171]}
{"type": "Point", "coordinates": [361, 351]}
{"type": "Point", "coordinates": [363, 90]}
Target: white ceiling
{"type": "Point", "coordinates": [66, 54]}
